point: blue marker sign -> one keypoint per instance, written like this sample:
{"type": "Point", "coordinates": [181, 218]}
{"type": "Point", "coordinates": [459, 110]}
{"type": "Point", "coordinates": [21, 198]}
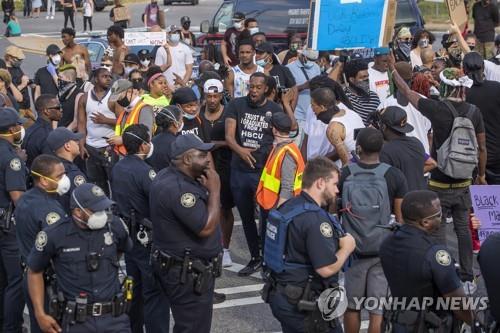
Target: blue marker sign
{"type": "Point", "coordinates": [348, 24]}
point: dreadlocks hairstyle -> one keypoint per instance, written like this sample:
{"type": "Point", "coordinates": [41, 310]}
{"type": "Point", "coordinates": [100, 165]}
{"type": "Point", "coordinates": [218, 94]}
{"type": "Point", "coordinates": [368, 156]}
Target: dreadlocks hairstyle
{"type": "Point", "coordinates": [421, 84]}
{"type": "Point", "coordinates": [450, 92]}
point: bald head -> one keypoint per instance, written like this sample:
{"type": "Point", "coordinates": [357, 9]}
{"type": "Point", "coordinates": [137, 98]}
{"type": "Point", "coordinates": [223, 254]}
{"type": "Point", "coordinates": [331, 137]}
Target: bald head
{"type": "Point", "coordinates": [427, 55]}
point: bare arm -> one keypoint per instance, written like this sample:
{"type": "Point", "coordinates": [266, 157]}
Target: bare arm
{"type": "Point", "coordinates": [189, 72]}
{"type": "Point", "coordinates": [455, 30]}
{"type": "Point", "coordinates": [212, 182]}
{"type": "Point", "coordinates": [335, 133]}
{"type": "Point", "coordinates": [287, 101]}
{"type": "Point", "coordinates": [82, 124]}
{"type": "Point", "coordinates": [481, 142]}
{"type": "Point", "coordinates": [86, 58]}
{"type": "Point", "coordinates": [223, 51]}
{"type": "Point", "coordinates": [464, 315]}
{"type": "Point", "coordinates": [16, 93]}
{"type": "Point", "coordinates": [36, 287]}
{"type": "Point", "coordinates": [229, 83]}
{"type": "Point", "coordinates": [168, 64]}
{"type": "Point", "coordinates": [15, 195]}
{"type": "Point", "coordinates": [397, 209]}
{"type": "Point", "coordinates": [336, 72]}
{"type": "Point", "coordinates": [430, 164]}
{"type": "Point", "coordinates": [411, 95]}
{"type": "Point", "coordinates": [303, 148]}
{"type": "Point", "coordinates": [74, 123]}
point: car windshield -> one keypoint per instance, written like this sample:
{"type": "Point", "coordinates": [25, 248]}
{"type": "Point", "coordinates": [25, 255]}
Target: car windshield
{"type": "Point", "coordinates": [404, 14]}
{"type": "Point", "coordinates": [222, 20]}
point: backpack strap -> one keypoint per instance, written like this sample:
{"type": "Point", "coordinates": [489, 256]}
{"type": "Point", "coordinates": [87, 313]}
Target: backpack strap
{"type": "Point", "coordinates": [470, 111]}
{"type": "Point", "coordinates": [380, 170]}
{"type": "Point", "coordinates": [451, 108]}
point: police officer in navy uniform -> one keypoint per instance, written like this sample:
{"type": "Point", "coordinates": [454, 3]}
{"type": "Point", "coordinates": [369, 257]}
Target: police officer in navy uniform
{"type": "Point", "coordinates": [490, 270]}
{"type": "Point", "coordinates": [316, 245]}
{"type": "Point", "coordinates": [185, 211]}
{"type": "Point", "coordinates": [131, 180]}
{"type": "Point", "coordinates": [416, 266]}
{"type": "Point", "coordinates": [64, 144]}
{"type": "Point", "coordinates": [39, 208]}
{"type": "Point", "coordinates": [84, 250]}
{"type": "Point", "coordinates": [12, 187]}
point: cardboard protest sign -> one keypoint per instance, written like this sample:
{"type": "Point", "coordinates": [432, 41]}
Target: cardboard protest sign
{"type": "Point", "coordinates": [349, 24]}
{"type": "Point", "coordinates": [457, 12]}
{"type": "Point", "coordinates": [121, 14]}
{"type": "Point", "coordinates": [486, 204]}
{"type": "Point", "coordinates": [145, 38]}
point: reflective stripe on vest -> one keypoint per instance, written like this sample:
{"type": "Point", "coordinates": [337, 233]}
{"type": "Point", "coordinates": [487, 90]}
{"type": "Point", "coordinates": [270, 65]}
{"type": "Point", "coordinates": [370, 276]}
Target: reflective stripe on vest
{"type": "Point", "coordinates": [132, 119]}
{"type": "Point", "coordinates": [270, 180]}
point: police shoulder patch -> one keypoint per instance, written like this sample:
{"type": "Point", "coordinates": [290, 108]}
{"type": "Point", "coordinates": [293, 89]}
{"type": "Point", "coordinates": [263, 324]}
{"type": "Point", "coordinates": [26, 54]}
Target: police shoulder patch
{"type": "Point", "coordinates": [443, 258]}
{"type": "Point", "coordinates": [152, 174]}
{"type": "Point", "coordinates": [79, 180]}
{"type": "Point", "coordinates": [52, 218]}
{"type": "Point", "coordinates": [97, 191]}
{"type": "Point", "coordinates": [15, 164]}
{"type": "Point", "coordinates": [326, 229]}
{"type": "Point", "coordinates": [41, 241]}
{"type": "Point", "coordinates": [188, 200]}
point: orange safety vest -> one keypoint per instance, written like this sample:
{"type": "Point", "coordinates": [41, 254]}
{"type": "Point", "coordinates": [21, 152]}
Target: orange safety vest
{"type": "Point", "coordinates": [132, 118]}
{"type": "Point", "coordinates": [270, 181]}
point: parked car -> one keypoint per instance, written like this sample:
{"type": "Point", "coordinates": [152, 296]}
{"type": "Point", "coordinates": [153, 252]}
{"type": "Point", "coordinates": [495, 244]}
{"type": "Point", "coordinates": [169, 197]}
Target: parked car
{"type": "Point", "coordinates": [278, 19]}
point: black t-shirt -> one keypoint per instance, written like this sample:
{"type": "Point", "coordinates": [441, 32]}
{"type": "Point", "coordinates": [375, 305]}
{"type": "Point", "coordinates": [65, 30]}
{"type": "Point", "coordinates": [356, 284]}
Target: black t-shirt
{"type": "Point", "coordinates": [396, 182]}
{"type": "Point", "coordinates": [195, 126]}
{"type": "Point", "coordinates": [487, 98]}
{"type": "Point", "coordinates": [231, 38]}
{"type": "Point", "coordinates": [17, 73]}
{"type": "Point", "coordinates": [408, 155]}
{"type": "Point", "coordinates": [485, 21]}
{"type": "Point", "coordinates": [283, 76]}
{"type": "Point", "coordinates": [488, 262]}
{"type": "Point", "coordinates": [45, 81]}
{"type": "Point", "coordinates": [216, 130]}
{"type": "Point", "coordinates": [442, 121]}
{"type": "Point", "coordinates": [253, 130]}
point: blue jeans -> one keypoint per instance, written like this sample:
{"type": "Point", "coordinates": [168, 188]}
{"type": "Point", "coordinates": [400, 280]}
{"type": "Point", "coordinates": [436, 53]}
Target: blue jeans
{"type": "Point", "coordinates": [244, 186]}
{"type": "Point", "coordinates": [149, 306]}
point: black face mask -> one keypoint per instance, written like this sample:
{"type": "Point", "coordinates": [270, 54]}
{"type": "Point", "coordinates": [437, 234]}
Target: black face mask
{"type": "Point", "coordinates": [136, 84]}
{"type": "Point", "coordinates": [326, 116]}
{"type": "Point", "coordinates": [186, 26]}
{"type": "Point", "coordinates": [124, 102]}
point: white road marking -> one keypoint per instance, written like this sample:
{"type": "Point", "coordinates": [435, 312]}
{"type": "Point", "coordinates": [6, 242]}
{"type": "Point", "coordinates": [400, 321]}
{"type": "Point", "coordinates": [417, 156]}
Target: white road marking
{"type": "Point", "coordinates": [239, 302]}
{"type": "Point", "coordinates": [237, 267]}
{"type": "Point", "coordinates": [241, 289]}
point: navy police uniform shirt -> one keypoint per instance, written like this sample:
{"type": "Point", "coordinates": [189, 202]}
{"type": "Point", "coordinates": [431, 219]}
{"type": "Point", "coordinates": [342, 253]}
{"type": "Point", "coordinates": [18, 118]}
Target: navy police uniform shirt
{"type": "Point", "coordinates": [67, 245]}
{"type": "Point", "coordinates": [311, 241]}
{"type": "Point", "coordinates": [131, 181]}
{"type": "Point", "coordinates": [35, 140]}
{"type": "Point", "coordinates": [12, 171]}
{"type": "Point", "coordinates": [35, 210]}
{"type": "Point", "coordinates": [179, 213]}
{"type": "Point", "coordinates": [76, 177]}
{"type": "Point", "coordinates": [161, 155]}
{"type": "Point", "coordinates": [416, 266]}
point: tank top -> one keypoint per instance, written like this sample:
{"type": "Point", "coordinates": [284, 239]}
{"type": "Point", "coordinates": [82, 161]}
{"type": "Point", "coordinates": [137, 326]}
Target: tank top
{"type": "Point", "coordinates": [241, 81]}
{"type": "Point", "coordinates": [97, 132]}
{"type": "Point", "coordinates": [351, 121]}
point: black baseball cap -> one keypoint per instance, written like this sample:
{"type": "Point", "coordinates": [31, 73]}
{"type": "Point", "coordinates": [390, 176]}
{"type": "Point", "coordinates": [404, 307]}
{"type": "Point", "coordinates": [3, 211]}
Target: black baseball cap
{"type": "Point", "coordinates": [52, 49]}
{"type": "Point", "coordinates": [183, 95]}
{"type": "Point", "coordinates": [395, 118]}
{"type": "Point", "coordinates": [183, 143]}
{"type": "Point", "coordinates": [58, 137]}
{"type": "Point", "coordinates": [90, 196]}
{"type": "Point", "coordinates": [185, 19]}
{"type": "Point", "coordinates": [265, 47]}
{"type": "Point", "coordinates": [132, 58]}
{"type": "Point", "coordinates": [238, 16]}
{"type": "Point", "coordinates": [9, 117]}
{"type": "Point", "coordinates": [281, 121]}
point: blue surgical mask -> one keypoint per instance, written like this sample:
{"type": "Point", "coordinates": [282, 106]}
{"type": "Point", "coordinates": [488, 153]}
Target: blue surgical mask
{"type": "Point", "coordinates": [189, 116]}
{"type": "Point", "coordinates": [261, 62]}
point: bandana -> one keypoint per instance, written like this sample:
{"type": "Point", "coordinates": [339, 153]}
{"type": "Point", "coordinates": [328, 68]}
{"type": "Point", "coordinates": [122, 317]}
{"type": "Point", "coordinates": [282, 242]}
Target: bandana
{"type": "Point", "coordinates": [450, 77]}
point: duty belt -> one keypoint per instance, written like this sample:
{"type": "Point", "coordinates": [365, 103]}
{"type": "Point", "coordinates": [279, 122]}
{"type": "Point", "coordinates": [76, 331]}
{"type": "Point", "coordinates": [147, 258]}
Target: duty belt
{"type": "Point", "coordinates": [99, 309]}
{"type": "Point", "coordinates": [445, 186]}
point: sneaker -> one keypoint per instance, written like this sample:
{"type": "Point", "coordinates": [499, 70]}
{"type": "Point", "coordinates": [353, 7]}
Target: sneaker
{"type": "Point", "coordinates": [226, 258]}
{"type": "Point", "coordinates": [52, 17]}
{"type": "Point", "coordinates": [253, 266]}
{"type": "Point", "coordinates": [219, 298]}
{"type": "Point", "coordinates": [47, 17]}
